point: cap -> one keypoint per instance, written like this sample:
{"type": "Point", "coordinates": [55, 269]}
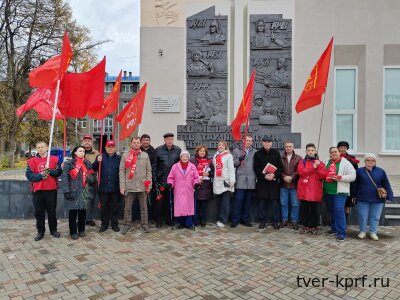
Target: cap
{"type": "Point", "coordinates": [369, 155]}
{"type": "Point", "coordinates": [258, 96]}
{"type": "Point", "coordinates": [110, 143]}
{"type": "Point", "coordinates": [185, 153]}
{"type": "Point", "coordinates": [88, 137]}
{"type": "Point", "coordinates": [168, 135]}
{"type": "Point", "coordinates": [266, 138]}
{"type": "Point", "coordinates": [343, 143]}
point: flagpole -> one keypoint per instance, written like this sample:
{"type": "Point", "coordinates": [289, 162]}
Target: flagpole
{"type": "Point", "coordinates": [101, 149]}
{"type": "Point", "coordinates": [114, 132]}
{"type": "Point", "coordinates": [65, 136]}
{"type": "Point", "coordinates": [320, 125]}
{"type": "Point", "coordinates": [52, 123]}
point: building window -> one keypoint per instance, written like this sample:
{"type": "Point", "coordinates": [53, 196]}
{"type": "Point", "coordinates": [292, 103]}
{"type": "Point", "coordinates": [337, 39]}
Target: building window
{"type": "Point", "coordinates": [392, 109]}
{"type": "Point", "coordinates": [81, 123]}
{"type": "Point", "coordinates": [127, 88]}
{"type": "Point", "coordinates": [109, 87]}
{"type": "Point", "coordinates": [108, 125]}
{"type": "Point", "coordinates": [346, 105]}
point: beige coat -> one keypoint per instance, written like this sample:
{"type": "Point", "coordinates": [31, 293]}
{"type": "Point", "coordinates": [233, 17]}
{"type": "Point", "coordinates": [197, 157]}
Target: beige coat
{"type": "Point", "coordinates": [91, 156]}
{"type": "Point", "coordinates": [142, 173]}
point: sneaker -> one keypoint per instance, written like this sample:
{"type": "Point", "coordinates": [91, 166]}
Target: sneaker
{"type": "Point", "coordinates": [362, 235]}
{"type": "Point", "coordinates": [340, 239]}
{"type": "Point", "coordinates": [126, 229]}
{"type": "Point", "coordinates": [145, 228]}
{"type": "Point", "coordinates": [373, 236]}
{"type": "Point", "coordinates": [305, 230]}
{"type": "Point", "coordinates": [314, 231]}
{"type": "Point", "coordinates": [220, 224]}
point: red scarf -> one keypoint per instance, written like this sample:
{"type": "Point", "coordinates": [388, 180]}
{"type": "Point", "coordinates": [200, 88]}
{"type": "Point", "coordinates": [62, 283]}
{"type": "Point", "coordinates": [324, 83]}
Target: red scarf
{"type": "Point", "coordinates": [332, 170]}
{"type": "Point", "coordinates": [79, 164]}
{"type": "Point", "coordinates": [218, 163]}
{"type": "Point", "coordinates": [202, 164]}
{"type": "Point", "coordinates": [131, 162]}
{"type": "Point", "coordinates": [350, 158]}
{"type": "Point", "coordinates": [184, 165]}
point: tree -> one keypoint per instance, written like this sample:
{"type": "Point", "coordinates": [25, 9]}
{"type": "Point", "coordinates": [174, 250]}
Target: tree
{"type": "Point", "coordinates": [31, 32]}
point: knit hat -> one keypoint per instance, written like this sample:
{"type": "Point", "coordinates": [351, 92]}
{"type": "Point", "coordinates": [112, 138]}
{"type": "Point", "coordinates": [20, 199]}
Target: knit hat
{"type": "Point", "coordinates": [185, 153]}
{"type": "Point", "coordinates": [369, 155]}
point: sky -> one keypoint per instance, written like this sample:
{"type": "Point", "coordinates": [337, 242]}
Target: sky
{"type": "Point", "coordinates": [118, 21]}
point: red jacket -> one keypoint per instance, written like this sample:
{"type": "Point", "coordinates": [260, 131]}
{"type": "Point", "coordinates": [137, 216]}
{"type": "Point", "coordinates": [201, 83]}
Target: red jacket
{"type": "Point", "coordinates": [35, 166]}
{"type": "Point", "coordinates": [309, 186]}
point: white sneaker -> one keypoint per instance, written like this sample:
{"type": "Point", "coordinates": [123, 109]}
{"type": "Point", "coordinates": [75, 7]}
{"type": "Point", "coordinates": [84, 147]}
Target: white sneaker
{"type": "Point", "coordinates": [362, 235]}
{"type": "Point", "coordinates": [373, 236]}
{"type": "Point", "coordinates": [220, 224]}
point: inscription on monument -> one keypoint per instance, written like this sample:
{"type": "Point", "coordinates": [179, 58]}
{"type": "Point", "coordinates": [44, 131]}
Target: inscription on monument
{"type": "Point", "coordinates": [164, 104]}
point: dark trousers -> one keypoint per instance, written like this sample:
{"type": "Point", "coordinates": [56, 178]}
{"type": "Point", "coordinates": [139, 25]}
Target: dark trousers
{"type": "Point", "coordinates": [81, 214]}
{"type": "Point", "coordinates": [109, 209]}
{"type": "Point", "coordinates": [201, 211]}
{"type": "Point", "coordinates": [242, 205]}
{"type": "Point", "coordinates": [274, 206]}
{"type": "Point", "coordinates": [186, 221]}
{"type": "Point", "coordinates": [223, 206]}
{"type": "Point", "coordinates": [92, 206]}
{"type": "Point", "coordinates": [45, 201]}
{"type": "Point", "coordinates": [309, 213]}
{"type": "Point", "coordinates": [162, 208]}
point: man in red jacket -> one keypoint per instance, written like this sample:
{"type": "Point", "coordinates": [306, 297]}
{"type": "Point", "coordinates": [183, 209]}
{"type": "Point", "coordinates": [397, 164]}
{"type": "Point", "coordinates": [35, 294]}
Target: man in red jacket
{"type": "Point", "coordinates": [44, 184]}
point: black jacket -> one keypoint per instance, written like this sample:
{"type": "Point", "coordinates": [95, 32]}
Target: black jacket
{"type": "Point", "coordinates": [150, 152]}
{"type": "Point", "coordinates": [267, 189]}
{"type": "Point", "coordinates": [162, 162]}
{"type": "Point", "coordinates": [109, 175]}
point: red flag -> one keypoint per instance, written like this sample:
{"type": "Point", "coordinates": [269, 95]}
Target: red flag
{"type": "Point", "coordinates": [66, 55]}
{"type": "Point", "coordinates": [110, 103]}
{"type": "Point", "coordinates": [46, 75]}
{"type": "Point", "coordinates": [83, 91]}
{"type": "Point", "coordinates": [131, 116]}
{"type": "Point", "coordinates": [42, 101]}
{"type": "Point", "coordinates": [316, 82]}
{"type": "Point", "coordinates": [244, 110]}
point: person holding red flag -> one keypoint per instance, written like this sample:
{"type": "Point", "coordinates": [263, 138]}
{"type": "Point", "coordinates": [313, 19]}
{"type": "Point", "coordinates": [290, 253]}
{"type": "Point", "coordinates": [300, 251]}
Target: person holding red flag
{"type": "Point", "coordinates": [44, 184]}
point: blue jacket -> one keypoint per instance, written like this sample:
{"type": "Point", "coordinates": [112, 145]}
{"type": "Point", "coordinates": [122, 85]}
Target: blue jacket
{"type": "Point", "coordinates": [109, 177]}
{"type": "Point", "coordinates": [365, 190]}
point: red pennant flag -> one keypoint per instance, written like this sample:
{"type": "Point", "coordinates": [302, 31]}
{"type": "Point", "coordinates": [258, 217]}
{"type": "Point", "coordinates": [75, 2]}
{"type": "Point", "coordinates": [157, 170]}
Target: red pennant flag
{"type": "Point", "coordinates": [46, 75]}
{"type": "Point", "coordinates": [66, 55]}
{"type": "Point", "coordinates": [316, 82]}
{"type": "Point", "coordinates": [110, 103]}
{"type": "Point", "coordinates": [131, 116]}
{"type": "Point", "coordinates": [83, 91]}
{"type": "Point", "coordinates": [42, 101]}
{"type": "Point", "coordinates": [244, 110]}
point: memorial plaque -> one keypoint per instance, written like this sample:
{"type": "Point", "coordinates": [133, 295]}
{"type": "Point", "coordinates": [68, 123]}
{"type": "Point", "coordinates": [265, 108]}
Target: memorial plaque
{"type": "Point", "coordinates": [165, 104]}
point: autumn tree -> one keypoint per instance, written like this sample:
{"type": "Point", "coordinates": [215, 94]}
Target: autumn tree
{"type": "Point", "coordinates": [31, 32]}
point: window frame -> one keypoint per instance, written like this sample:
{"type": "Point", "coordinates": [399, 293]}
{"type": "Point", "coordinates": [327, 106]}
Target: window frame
{"type": "Point", "coordinates": [388, 111]}
{"type": "Point", "coordinates": [345, 112]}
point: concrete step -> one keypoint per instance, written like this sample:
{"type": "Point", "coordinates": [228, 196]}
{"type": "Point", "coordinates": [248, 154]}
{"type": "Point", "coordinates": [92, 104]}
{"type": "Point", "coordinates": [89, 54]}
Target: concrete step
{"type": "Point", "coordinates": [392, 209]}
{"type": "Point", "coordinates": [392, 220]}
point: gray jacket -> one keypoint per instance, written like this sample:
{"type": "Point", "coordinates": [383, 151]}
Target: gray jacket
{"type": "Point", "coordinates": [142, 173]}
{"type": "Point", "coordinates": [245, 176]}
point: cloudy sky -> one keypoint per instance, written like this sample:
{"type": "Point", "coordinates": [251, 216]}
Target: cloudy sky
{"type": "Point", "coordinates": [118, 21]}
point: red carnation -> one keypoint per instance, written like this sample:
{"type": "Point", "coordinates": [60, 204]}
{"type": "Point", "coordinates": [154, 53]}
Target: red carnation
{"type": "Point", "coordinates": [159, 197]}
{"type": "Point", "coordinates": [147, 183]}
{"type": "Point", "coordinates": [162, 189]}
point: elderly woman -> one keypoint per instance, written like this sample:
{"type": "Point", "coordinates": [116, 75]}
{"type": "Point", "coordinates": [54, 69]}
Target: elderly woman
{"type": "Point", "coordinates": [369, 205]}
{"type": "Point", "coordinates": [183, 178]}
{"type": "Point", "coordinates": [224, 181]}
{"type": "Point", "coordinates": [340, 173]}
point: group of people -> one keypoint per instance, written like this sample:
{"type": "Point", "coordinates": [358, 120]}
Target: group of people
{"type": "Point", "coordinates": [176, 186]}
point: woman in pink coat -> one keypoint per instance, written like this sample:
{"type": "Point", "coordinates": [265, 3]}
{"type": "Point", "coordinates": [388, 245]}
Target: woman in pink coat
{"type": "Point", "coordinates": [183, 178]}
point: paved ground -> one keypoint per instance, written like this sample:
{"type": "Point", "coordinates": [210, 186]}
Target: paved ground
{"type": "Point", "coordinates": [209, 263]}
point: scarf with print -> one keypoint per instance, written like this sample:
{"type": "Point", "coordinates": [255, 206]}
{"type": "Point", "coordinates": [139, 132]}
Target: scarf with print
{"type": "Point", "coordinates": [332, 169]}
{"type": "Point", "coordinates": [131, 162]}
{"type": "Point", "coordinates": [203, 163]}
{"type": "Point", "coordinates": [79, 164]}
{"type": "Point", "coordinates": [218, 163]}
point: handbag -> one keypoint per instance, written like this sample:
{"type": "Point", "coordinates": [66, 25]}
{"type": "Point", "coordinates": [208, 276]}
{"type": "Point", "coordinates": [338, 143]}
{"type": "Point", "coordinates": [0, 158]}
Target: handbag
{"type": "Point", "coordinates": [382, 193]}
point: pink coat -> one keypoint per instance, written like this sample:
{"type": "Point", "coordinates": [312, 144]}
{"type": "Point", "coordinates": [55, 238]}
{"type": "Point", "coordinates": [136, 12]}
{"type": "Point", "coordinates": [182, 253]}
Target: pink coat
{"type": "Point", "coordinates": [183, 185]}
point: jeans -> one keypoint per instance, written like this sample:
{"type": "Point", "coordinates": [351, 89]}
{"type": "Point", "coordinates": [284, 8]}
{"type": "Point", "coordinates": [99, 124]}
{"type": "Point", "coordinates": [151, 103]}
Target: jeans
{"type": "Point", "coordinates": [369, 211]}
{"type": "Point", "coordinates": [335, 205]}
{"type": "Point", "coordinates": [223, 206]}
{"type": "Point", "coordinates": [291, 194]}
{"type": "Point", "coordinates": [45, 201]}
{"type": "Point", "coordinates": [274, 205]}
{"type": "Point", "coordinates": [242, 205]}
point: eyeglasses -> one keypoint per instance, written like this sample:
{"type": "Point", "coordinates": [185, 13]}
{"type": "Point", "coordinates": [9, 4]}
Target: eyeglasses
{"type": "Point", "coordinates": [373, 160]}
